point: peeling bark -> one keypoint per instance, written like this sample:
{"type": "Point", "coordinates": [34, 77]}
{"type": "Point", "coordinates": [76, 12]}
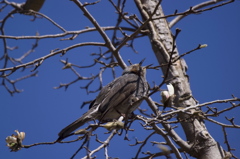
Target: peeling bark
{"type": "Point", "coordinates": [161, 38]}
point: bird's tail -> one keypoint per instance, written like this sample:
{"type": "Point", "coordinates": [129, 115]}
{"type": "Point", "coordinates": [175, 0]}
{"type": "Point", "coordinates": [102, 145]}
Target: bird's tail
{"type": "Point", "coordinates": [67, 131]}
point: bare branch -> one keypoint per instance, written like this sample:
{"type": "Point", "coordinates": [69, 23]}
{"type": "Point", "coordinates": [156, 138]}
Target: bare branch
{"type": "Point", "coordinates": [49, 19]}
{"type": "Point", "coordinates": [168, 140]}
{"type": "Point", "coordinates": [144, 143]}
{"type": "Point", "coordinates": [201, 105]}
{"type": "Point", "coordinates": [226, 139]}
{"type": "Point", "coordinates": [77, 32]}
{"type": "Point", "coordinates": [103, 34]}
{"type": "Point", "coordinates": [198, 6]}
{"type": "Point", "coordinates": [105, 143]}
{"type": "Point", "coordinates": [63, 51]}
{"type": "Point", "coordinates": [221, 124]}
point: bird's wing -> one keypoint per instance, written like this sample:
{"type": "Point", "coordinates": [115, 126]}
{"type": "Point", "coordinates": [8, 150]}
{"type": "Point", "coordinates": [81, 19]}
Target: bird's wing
{"type": "Point", "coordinates": [112, 100]}
{"type": "Point", "coordinates": [116, 95]}
{"type": "Point", "coordinates": [88, 116]}
{"type": "Point", "coordinates": [92, 113]}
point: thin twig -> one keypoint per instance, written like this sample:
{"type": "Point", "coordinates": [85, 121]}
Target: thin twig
{"type": "Point", "coordinates": [105, 143]}
{"type": "Point", "coordinates": [77, 32]}
{"type": "Point", "coordinates": [198, 6]}
{"type": "Point", "coordinates": [200, 105]}
{"type": "Point", "coordinates": [102, 33]}
{"type": "Point", "coordinates": [63, 51]}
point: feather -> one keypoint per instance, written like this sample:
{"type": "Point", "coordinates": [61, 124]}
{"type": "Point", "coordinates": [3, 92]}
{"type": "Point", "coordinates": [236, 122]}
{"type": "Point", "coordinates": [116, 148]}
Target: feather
{"type": "Point", "coordinates": [114, 100]}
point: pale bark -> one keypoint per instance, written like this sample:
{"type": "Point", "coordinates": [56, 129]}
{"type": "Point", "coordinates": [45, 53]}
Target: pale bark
{"type": "Point", "coordinates": [203, 145]}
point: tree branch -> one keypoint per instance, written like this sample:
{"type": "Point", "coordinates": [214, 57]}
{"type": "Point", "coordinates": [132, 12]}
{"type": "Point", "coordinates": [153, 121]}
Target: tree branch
{"type": "Point", "coordinates": [102, 33]}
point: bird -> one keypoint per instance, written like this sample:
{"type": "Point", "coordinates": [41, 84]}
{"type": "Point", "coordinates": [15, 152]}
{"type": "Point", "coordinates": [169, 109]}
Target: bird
{"type": "Point", "coordinates": [118, 98]}
{"type": "Point", "coordinates": [35, 5]}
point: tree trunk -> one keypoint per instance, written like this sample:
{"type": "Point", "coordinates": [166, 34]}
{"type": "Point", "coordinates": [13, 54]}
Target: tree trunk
{"type": "Point", "coordinates": [203, 146]}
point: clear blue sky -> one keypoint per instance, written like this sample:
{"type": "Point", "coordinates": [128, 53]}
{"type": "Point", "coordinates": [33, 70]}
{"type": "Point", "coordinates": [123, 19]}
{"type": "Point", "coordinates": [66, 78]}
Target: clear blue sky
{"type": "Point", "coordinates": [42, 111]}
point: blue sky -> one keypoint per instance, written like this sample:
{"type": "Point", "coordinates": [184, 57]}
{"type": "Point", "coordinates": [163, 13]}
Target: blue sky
{"type": "Point", "coordinates": [42, 111]}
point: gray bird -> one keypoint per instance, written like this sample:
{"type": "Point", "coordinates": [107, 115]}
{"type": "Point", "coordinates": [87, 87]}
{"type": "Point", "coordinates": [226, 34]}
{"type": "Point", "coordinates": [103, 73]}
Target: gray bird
{"type": "Point", "coordinates": [119, 98]}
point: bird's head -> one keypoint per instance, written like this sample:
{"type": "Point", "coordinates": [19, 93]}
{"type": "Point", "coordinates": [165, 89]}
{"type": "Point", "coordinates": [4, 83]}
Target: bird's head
{"type": "Point", "coordinates": [137, 69]}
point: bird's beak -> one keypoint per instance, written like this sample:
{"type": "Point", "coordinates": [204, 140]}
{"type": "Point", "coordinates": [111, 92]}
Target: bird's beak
{"type": "Point", "coordinates": [140, 63]}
